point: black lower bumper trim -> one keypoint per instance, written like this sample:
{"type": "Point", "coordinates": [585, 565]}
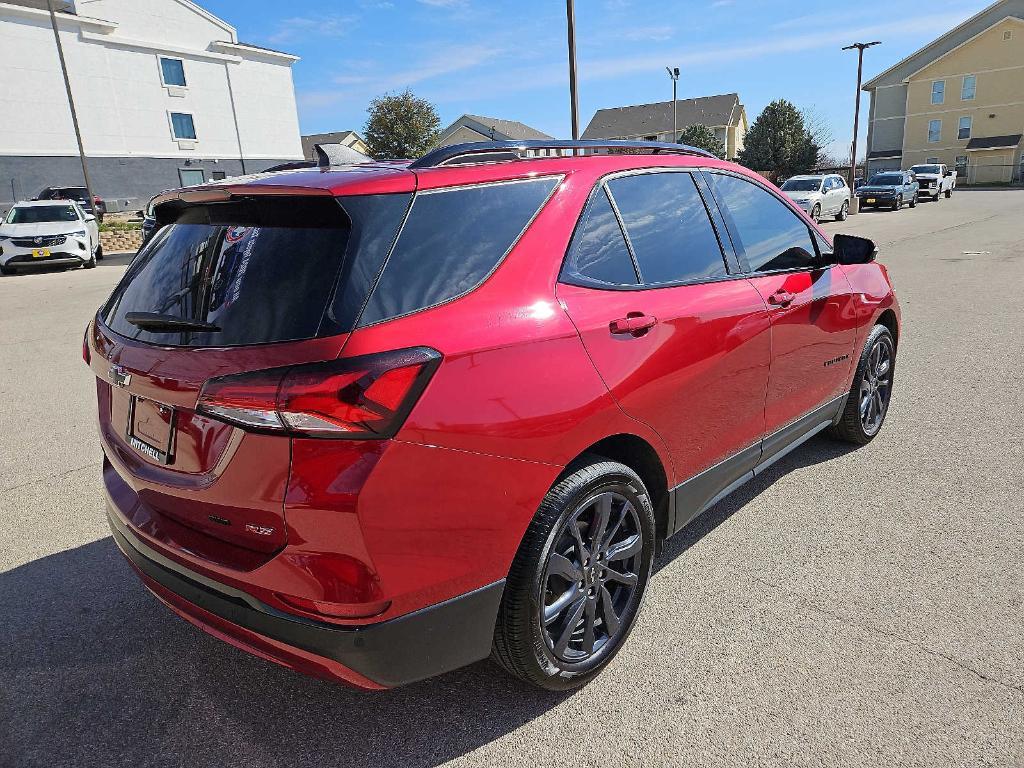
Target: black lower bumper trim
{"type": "Point", "coordinates": [413, 647]}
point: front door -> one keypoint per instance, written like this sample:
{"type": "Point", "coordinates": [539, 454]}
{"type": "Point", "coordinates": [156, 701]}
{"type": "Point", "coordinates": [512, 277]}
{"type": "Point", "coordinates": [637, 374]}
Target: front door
{"type": "Point", "coordinates": [682, 344]}
{"type": "Point", "coordinates": [812, 312]}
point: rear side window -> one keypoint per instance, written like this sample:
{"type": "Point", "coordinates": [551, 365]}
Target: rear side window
{"type": "Point", "coordinates": [452, 240]}
{"type": "Point", "coordinates": [598, 253]}
{"type": "Point", "coordinates": [668, 227]}
{"type": "Point", "coordinates": [765, 231]}
{"type": "Point", "coordinates": [260, 273]}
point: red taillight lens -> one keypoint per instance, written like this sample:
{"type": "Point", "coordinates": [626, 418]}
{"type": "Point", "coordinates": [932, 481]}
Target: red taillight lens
{"type": "Point", "coordinates": [356, 397]}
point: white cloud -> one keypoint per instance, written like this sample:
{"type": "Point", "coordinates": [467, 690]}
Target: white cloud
{"type": "Point", "coordinates": [656, 34]}
{"type": "Point", "coordinates": [327, 25]}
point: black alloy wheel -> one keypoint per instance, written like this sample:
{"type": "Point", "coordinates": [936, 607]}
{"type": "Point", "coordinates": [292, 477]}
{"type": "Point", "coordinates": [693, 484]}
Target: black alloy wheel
{"type": "Point", "coordinates": [591, 577]}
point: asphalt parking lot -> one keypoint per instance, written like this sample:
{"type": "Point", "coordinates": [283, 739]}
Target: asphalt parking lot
{"type": "Point", "coordinates": [847, 608]}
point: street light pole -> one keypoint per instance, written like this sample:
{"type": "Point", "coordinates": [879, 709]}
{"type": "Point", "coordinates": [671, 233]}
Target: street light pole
{"type": "Point", "coordinates": [71, 103]}
{"type": "Point", "coordinates": [856, 116]}
{"type": "Point", "coordinates": [570, 17]}
{"type": "Point", "coordinates": [673, 72]}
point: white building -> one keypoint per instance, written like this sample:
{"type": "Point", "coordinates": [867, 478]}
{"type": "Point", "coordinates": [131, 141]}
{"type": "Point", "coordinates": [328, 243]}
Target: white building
{"type": "Point", "coordinates": [166, 96]}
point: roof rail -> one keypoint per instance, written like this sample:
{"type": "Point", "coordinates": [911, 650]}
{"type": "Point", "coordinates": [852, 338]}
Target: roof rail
{"type": "Point", "coordinates": [458, 154]}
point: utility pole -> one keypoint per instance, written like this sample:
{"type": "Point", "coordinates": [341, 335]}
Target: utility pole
{"type": "Point", "coordinates": [574, 106]}
{"type": "Point", "coordinates": [71, 103]}
{"type": "Point", "coordinates": [673, 72]}
{"type": "Point", "coordinates": [854, 207]}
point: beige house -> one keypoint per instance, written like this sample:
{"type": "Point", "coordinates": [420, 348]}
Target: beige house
{"type": "Point", "coordinates": [959, 101]}
{"type": "Point", "coordinates": [349, 139]}
{"type": "Point", "coordinates": [724, 114]}
{"type": "Point", "coordinates": [469, 128]}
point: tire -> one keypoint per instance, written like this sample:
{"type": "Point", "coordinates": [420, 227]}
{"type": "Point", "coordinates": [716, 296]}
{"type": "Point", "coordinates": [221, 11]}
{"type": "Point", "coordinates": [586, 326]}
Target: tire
{"type": "Point", "coordinates": [553, 573]}
{"type": "Point", "coordinates": [913, 202]}
{"type": "Point", "coordinates": [5, 270]}
{"type": "Point", "coordinates": [949, 193]}
{"type": "Point", "coordinates": [91, 263]}
{"type": "Point", "coordinates": [854, 425]}
{"type": "Point", "coordinates": [898, 204]}
{"type": "Point", "coordinates": [844, 212]}
{"type": "Point", "coordinates": [99, 253]}
{"type": "Point", "coordinates": [816, 213]}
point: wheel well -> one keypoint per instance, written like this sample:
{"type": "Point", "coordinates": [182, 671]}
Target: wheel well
{"type": "Point", "coordinates": [637, 454]}
{"type": "Point", "coordinates": [888, 319]}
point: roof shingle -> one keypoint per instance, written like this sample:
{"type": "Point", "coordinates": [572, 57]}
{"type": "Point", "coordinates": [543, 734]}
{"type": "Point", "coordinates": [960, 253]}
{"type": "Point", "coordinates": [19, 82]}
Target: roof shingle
{"type": "Point", "coordinates": [646, 119]}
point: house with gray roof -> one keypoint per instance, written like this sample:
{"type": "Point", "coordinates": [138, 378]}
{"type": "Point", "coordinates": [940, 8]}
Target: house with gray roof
{"type": "Point", "coordinates": [478, 128]}
{"type": "Point", "coordinates": [724, 114]}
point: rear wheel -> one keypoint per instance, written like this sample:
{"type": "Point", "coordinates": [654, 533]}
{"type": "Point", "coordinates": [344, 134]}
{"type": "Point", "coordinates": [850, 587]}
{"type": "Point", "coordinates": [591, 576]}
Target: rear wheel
{"type": "Point", "coordinates": [913, 201]}
{"type": "Point", "coordinates": [843, 212]}
{"type": "Point", "coordinates": [578, 579]}
{"type": "Point", "coordinates": [868, 403]}
{"type": "Point", "coordinates": [949, 193]}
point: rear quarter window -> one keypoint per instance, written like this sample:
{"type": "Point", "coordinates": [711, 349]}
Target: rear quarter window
{"type": "Point", "coordinates": [451, 242]}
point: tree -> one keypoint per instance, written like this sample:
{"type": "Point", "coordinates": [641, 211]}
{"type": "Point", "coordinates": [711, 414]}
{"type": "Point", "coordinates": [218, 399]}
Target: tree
{"type": "Point", "coordinates": [702, 137]}
{"type": "Point", "coordinates": [401, 126]}
{"type": "Point", "coordinates": [821, 132]}
{"type": "Point", "coordinates": [778, 143]}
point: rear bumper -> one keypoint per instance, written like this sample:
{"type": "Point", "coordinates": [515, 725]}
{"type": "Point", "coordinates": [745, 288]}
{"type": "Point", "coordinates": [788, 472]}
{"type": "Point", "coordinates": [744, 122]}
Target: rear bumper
{"type": "Point", "coordinates": [403, 650]}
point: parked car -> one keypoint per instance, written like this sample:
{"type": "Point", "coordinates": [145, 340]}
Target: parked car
{"type": "Point", "coordinates": [149, 226]}
{"type": "Point", "coordinates": [95, 205]}
{"type": "Point", "coordinates": [381, 422]}
{"type": "Point", "coordinates": [48, 233]}
{"type": "Point", "coordinates": [936, 180]}
{"type": "Point", "coordinates": [819, 196]}
{"type": "Point", "coordinates": [891, 189]}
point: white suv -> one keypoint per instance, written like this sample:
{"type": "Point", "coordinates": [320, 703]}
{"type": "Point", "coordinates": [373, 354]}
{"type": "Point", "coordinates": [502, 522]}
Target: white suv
{"type": "Point", "coordinates": [820, 196]}
{"type": "Point", "coordinates": [54, 233]}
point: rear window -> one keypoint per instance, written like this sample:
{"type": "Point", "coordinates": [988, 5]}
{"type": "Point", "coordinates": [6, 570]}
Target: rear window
{"type": "Point", "coordinates": [452, 240]}
{"type": "Point", "coordinates": [260, 272]}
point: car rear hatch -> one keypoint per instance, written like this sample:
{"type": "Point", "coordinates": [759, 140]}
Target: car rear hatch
{"type": "Point", "coordinates": [239, 284]}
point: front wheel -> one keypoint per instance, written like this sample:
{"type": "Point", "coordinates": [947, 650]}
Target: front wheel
{"type": "Point", "coordinates": [898, 205]}
{"type": "Point", "coordinates": [843, 212]}
{"type": "Point", "coordinates": [816, 213]}
{"type": "Point", "coordinates": [99, 253]}
{"type": "Point", "coordinates": [949, 193]}
{"type": "Point", "coordinates": [868, 402]}
{"type": "Point", "coordinates": [5, 270]}
{"type": "Point", "coordinates": [578, 579]}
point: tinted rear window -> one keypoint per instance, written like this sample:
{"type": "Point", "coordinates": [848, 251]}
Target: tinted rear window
{"type": "Point", "coordinates": [452, 240]}
{"type": "Point", "coordinates": [599, 253]}
{"type": "Point", "coordinates": [259, 276]}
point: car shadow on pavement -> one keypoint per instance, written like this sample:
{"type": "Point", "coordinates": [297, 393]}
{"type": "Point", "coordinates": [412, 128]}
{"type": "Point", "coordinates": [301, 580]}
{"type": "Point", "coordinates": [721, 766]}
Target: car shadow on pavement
{"type": "Point", "coordinates": [95, 671]}
{"type": "Point", "coordinates": [121, 259]}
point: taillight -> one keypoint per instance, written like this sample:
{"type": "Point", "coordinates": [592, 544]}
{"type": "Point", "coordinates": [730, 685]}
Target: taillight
{"type": "Point", "coordinates": [86, 354]}
{"type": "Point", "coordinates": [356, 397]}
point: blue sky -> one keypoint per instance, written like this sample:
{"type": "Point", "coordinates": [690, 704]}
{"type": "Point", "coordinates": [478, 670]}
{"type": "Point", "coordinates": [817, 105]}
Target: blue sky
{"type": "Point", "coordinates": [508, 59]}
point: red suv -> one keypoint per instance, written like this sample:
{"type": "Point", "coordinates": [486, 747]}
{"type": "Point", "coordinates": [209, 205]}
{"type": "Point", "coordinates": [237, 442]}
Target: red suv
{"type": "Point", "coordinates": [377, 422]}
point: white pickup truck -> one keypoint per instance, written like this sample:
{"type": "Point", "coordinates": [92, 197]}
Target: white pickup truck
{"type": "Point", "coordinates": [935, 180]}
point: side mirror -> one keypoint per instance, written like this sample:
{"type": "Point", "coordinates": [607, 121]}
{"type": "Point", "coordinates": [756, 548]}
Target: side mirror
{"type": "Point", "coordinates": [948, 173]}
{"type": "Point", "coordinates": [90, 217]}
{"type": "Point", "coordinates": [850, 249]}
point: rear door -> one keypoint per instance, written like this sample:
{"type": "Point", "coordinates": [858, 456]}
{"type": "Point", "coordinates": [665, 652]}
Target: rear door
{"type": "Point", "coordinates": [812, 310]}
{"type": "Point", "coordinates": [253, 285]}
{"type": "Point", "coordinates": [680, 339]}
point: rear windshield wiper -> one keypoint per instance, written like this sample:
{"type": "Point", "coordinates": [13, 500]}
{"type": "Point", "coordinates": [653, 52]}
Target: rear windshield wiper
{"type": "Point", "coordinates": [152, 321]}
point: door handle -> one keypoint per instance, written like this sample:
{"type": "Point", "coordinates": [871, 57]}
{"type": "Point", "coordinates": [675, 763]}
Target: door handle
{"type": "Point", "coordinates": [781, 298]}
{"type": "Point", "coordinates": [635, 324]}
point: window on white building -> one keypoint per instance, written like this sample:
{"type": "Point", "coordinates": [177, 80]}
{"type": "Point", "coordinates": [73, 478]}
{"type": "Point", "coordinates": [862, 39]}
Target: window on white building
{"type": "Point", "coordinates": [968, 89]}
{"type": "Point", "coordinates": [964, 129]}
{"type": "Point", "coordinates": [934, 131]}
{"type": "Point", "coordinates": [938, 91]}
{"type": "Point", "coordinates": [172, 71]}
{"type": "Point", "coordinates": [191, 176]}
{"type": "Point", "coordinates": [183, 127]}
{"type": "Point", "coordinates": [932, 160]}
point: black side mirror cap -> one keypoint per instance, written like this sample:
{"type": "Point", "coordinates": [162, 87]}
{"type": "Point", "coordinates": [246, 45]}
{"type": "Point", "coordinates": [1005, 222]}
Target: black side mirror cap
{"type": "Point", "coordinates": [850, 249]}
